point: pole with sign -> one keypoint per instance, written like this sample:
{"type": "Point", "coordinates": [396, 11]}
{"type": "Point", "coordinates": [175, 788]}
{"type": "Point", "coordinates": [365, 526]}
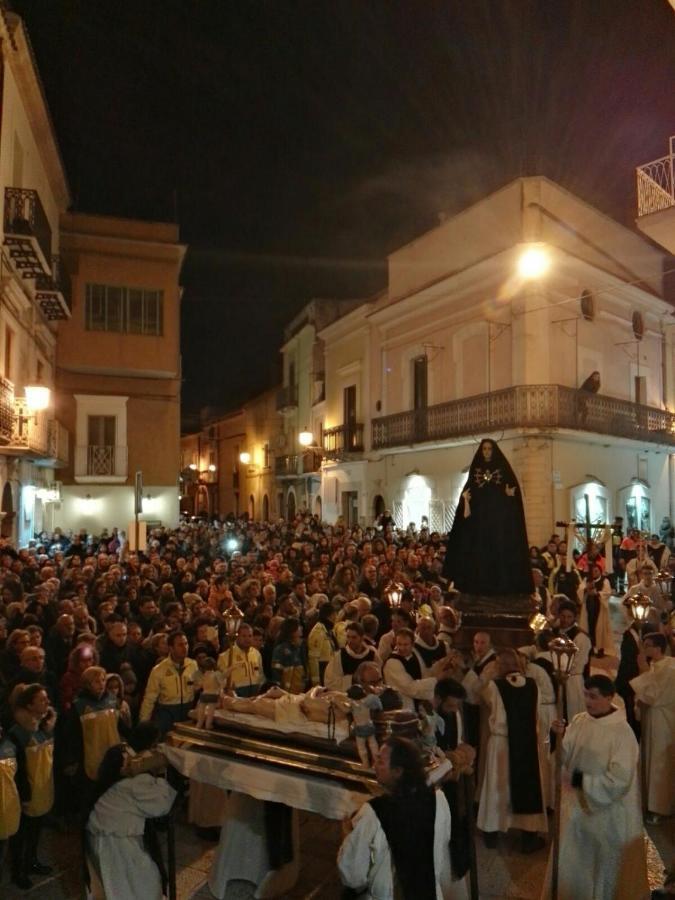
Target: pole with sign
{"type": "Point", "coordinates": [138, 506]}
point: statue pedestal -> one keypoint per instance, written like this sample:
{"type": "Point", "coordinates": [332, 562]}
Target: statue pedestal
{"type": "Point", "coordinates": [505, 618]}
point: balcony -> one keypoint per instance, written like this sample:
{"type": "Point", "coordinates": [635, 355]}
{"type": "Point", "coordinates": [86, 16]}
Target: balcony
{"type": "Point", "coordinates": [52, 292]}
{"type": "Point", "coordinates": [95, 463]}
{"type": "Point", "coordinates": [311, 462]}
{"type": "Point", "coordinates": [655, 186]}
{"type": "Point", "coordinates": [342, 440]}
{"type": "Point", "coordinates": [30, 431]}
{"type": "Point", "coordinates": [28, 234]}
{"type": "Point", "coordinates": [57, 438]}
{"type": "Point", "coordinates": [6, 410]}
{"type": "Point", "coordinates": [286, 466]}
{"type": "Point", "coordinates": [287, 398]}
{"type": "Point", "coordinates": [542, 406]}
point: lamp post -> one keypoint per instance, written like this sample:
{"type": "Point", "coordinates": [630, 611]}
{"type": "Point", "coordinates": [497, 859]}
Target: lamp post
{"type": "Point", "coordinates": [562, 651]}
{"type": "Point", "coordinates": [394, 594]}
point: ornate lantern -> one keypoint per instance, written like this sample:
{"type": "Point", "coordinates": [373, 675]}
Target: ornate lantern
{"type": "Point", "coordinates": [664, 580]}
{"type": "Point", "coordinates": [394, 594]}
{"type": "Point", "coordinates": [538, 623]}
{"type": "Point", "coordinates": [233, 617]}
{"type": "Point", "coordinates": [562, 651]}
{"type": "Point", "coordinates": [638, 605]}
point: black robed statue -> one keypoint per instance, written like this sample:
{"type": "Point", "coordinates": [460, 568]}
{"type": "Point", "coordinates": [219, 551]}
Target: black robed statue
{"type": "Point", "coordinates": [487, 550]}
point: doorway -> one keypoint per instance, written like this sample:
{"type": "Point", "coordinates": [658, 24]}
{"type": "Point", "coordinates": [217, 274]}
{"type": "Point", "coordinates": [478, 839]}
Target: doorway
{"type": "Point", "coordinates": [350, 508]}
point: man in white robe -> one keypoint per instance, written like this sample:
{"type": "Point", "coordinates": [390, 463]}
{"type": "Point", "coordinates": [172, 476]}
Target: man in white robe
{"type": "Point", "coordinates": [497, 806]}
{"type": "Point", "coordinates": [404, 671]}
{"type": "Point", "coordinates": [366, 859]}
{"type": "Point", "coordinates": [655, 693]}
{"type": "Point", "coordinates": [602, 848]}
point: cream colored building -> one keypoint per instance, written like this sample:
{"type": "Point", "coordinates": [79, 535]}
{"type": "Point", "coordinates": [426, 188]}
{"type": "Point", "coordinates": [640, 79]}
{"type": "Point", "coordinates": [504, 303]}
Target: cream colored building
{"type": "Point", "coordinates": [34, 289]}
{"type": "Point", "coordinates": [118, 371]}
{"type": "Point", "coordinates": [461, 345]}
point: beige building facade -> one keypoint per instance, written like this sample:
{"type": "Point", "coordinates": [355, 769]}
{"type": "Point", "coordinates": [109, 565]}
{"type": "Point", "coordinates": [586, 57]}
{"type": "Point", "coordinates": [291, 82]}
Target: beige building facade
{"type": "Point", "coordinates": [463, 345]}
{"type": "Point", "coordinates": [118, 371]}
{"type": "Point", "coordinates": [33, 285]}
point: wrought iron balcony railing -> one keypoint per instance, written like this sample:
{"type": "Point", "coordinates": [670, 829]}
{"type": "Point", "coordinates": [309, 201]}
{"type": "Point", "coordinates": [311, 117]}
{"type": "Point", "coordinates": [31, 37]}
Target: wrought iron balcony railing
{"type": "Point", "coordinates": [286, 466]}
{"type": "Point", "coordinates": [342, 440]}
{"type": "Point", "coordinates": [6, 410]}
{"type": "Point", "coordinates": [93, 461]}
{"type": "Point", "coordinates": [287, 397]}
{"type": "Point", "coordinates": [52, 292]}
{"type": "Point", "coordinates": [655, 184]}
{"type": "Point", "coordinates": [30, 431]}
{"type": "Point", "coordinates": [28, 234]}
{"type": "Point", "coordinates": [526, 406]}
{"type": "Point", "coordinates": [58, 444]}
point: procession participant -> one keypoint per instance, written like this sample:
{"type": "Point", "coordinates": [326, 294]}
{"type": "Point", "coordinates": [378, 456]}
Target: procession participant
{"type": "Point", "coordinates": [541, 593]}
{"type": "Point", "coordinates": [403, 671]}
{"type": "Point", "coordinates": [474, 683]}
{"type": "Point", "coordinates": [92, 728]}
{"type": "Point", "coordinates": [399, 619]}
{"type": "Point", "coordinates": [427, 645]}
{"type": "Point", "coordinates": [377, 855]}
{"type": "Point", "coordinates": [602, 848]}
{"type": "Point", "coordinates": [449, 696]}
{"type": "Point", "coordinates": [31, 734]}
{"type": "Point", "coordinates": [344, 663]}
{"type": "Point", "coordinates": [593, 594]}
{"type": "Point", "coordinates": [321, 643]}
{"type": "Point", "coordinates": [115, 826]}
{"type": "Point", "coordinates": [245, 665]}
{"type": "Point", "coordinates": [655, 693]}
{"type": "Point", "coordinates": [169, 694]}
{"type": "Point", "coordinates": [448, 625]}
{"type": "Point", "coordinates": [629, 669]}
{"type": "Point", "coordinates": [512, 793]}
{"type": "Point", "coordinates": [573, 699]}
{"type": "Point", "coordinates": [10, 803]}
{"type": "Point", "coordinates": [289, 665]}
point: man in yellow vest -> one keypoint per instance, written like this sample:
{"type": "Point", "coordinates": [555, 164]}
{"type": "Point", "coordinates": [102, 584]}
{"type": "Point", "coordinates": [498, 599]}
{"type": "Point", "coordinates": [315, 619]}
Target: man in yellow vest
{"type": "Point", "coordinates": [32, 735]}
{"type": "Point", "coordinates": [247, 676]}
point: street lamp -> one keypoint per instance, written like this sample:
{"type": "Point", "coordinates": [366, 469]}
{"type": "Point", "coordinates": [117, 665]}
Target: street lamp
{"type": "Point", "coordinates": [533, 262]}
{"type": "Point", "coordinates": [244, 457]}
{"type": "Point", "coordinates": [305, 438]}
{"type": "Point", "coordinates": [37, 397]}
{"type": "Point", "coordinates": [562, 651]}
{"type": "Point", "coordinates": [394, 594]}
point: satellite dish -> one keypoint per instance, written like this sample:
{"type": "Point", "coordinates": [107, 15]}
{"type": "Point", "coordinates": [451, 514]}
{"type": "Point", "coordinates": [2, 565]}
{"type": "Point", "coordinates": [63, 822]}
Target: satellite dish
{"type": "Point", "coordinates": [638, 325]}
{"type": "Point", "coordinates": [587, 303]}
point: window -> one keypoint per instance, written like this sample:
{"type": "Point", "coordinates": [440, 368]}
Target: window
{"type": "Point", "coordinates": [9, 346]}
{"type": "Point", "coordinates": [101, 445]}
{"type": "Point", "coordinates": [123, 309]}
{"type": "Point", "coordinates": [266, 457]}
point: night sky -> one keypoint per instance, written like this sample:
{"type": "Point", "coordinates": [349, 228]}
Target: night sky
{"type": "Point", "coordinates": [299, 142]}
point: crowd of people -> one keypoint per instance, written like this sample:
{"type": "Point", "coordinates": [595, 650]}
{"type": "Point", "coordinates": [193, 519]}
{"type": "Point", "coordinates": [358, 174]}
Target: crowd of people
{"type": "Point", "coordinates": [103, 650]}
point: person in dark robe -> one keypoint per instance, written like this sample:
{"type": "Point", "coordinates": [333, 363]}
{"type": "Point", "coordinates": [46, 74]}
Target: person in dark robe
{"type": "Point", "coordinates": [487, 550]}
{"type": "Point", "coordinates": [629, 669]}
{"type": "Point", "coordinates": [378, 855]}
{"type": "Point", "coordinates": [512, 793]}
{"type": "Point", "coordinates": [449, 696]}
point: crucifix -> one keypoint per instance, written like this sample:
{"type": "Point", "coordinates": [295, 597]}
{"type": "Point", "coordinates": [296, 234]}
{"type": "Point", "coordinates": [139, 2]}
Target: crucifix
{"type": "Point", "coordinates": [586, 523]}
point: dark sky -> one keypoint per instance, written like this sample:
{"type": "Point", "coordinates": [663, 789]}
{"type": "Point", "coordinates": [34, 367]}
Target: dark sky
{"type": "Point", "coordinates": [299, 142]}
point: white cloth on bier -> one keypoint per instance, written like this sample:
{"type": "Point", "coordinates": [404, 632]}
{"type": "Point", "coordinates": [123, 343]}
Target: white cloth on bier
{"type": "Point", "coordinates": [287, 722]}
{"type": "Point", "coordinates": [302, 791]}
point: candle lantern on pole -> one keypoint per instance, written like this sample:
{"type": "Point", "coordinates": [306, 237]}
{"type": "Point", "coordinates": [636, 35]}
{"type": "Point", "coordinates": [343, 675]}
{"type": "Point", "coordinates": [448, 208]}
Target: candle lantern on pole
{"type": "Point", "coordinates": [562, 651]}
{"type": "Point", "coordinates": [639, 606]}
{"type": "Point", "coordinates": [394, 594]}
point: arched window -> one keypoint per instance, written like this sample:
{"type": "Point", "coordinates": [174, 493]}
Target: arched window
{"type": "Point", "coordinates": [291, 506]}
{"type": "Point", "coordinates": [266, 508]}
{"type": "Point", "coordinates": [378, 506]}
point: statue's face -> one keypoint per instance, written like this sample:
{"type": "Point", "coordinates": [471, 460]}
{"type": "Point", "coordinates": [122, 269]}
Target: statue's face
{"type": "Point", "coordinates": [486, 450]}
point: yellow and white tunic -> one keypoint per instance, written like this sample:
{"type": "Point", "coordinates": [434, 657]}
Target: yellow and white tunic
{"type": "Point", "coordinates": [10, 804]}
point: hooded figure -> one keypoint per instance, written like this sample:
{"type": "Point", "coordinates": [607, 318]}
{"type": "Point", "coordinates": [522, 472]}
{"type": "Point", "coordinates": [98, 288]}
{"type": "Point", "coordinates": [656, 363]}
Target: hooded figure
{"type": "Point", "coordinates": [487, 551]}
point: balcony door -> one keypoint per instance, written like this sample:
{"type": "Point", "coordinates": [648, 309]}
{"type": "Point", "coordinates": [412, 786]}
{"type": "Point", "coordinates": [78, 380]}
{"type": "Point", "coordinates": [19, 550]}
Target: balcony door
{"type": "Point", "coordinates": [101, 432]}
{"type": "Point", "coordinates": [349, 416]}
{"type": "Point", "coordinates": [420, 396]}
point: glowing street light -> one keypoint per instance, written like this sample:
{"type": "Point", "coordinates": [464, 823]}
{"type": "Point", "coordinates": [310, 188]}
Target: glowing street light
{"type": "Point", "coordinates": [306, 438]}
{"type": "Point", "coordinates": [534, 262]}
{"type": "Point", "coordinates": [37, 397]}
{"type": "Point", "coordinates": [244, 457]}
